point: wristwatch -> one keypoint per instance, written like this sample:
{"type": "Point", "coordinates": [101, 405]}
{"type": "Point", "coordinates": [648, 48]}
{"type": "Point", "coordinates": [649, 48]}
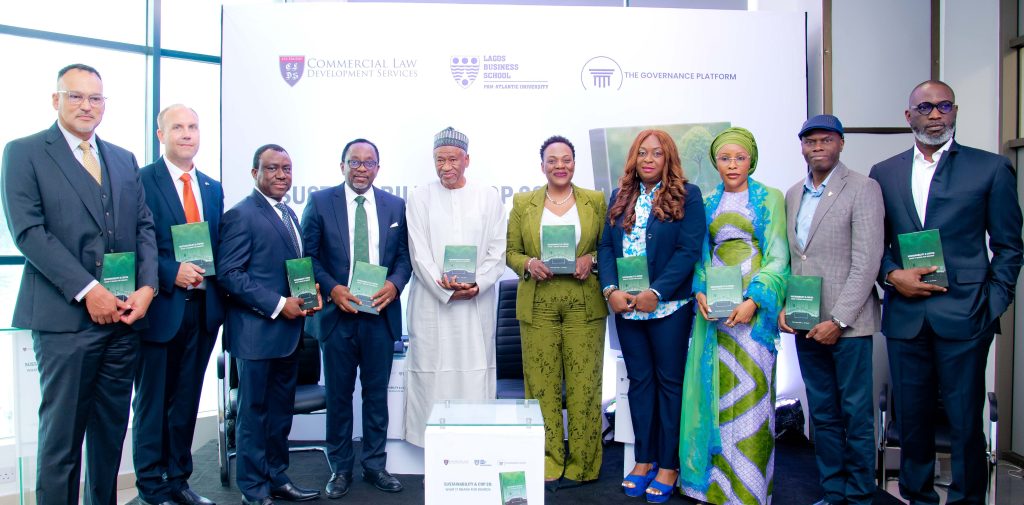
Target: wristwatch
{"type": "Point", "coordinates": [609, 290]}
{"type": "Point", "coordinates": [842, 326]}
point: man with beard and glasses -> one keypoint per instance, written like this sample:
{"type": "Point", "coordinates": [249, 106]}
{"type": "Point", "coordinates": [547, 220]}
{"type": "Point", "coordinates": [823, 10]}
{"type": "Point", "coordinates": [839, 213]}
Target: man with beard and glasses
{"type": "Point", "coordinates": [938, 338]}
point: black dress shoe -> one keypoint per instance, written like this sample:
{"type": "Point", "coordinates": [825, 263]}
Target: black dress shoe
{"type": "Point", "coordinates": [338, 485]}
{"type": "Point", "coordinates": [168, 502]}
{"type": "Point", "coordinates": [189, 497]}
{"type": "Point", "coordinates": [263, 501]}
{"type": "Point", "coordinates": [291, 492]}
{"type": "Point", "coordinates": [382, 480]}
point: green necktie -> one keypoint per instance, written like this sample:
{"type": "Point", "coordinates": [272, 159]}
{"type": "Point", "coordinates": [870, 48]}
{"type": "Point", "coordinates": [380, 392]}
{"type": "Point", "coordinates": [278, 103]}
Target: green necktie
{"type": "Point", "coordinates": [361, 242]}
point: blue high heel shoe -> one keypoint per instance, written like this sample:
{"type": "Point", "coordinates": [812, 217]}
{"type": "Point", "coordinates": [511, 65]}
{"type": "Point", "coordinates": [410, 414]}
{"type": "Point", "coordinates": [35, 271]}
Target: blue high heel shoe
{"type": "Point", "coordinates": [640, 482]}
{"type": "Point", "coordinates": [665, 492]}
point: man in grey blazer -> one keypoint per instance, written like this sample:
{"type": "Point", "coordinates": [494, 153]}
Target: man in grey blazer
{"type": "Point", "coordinates": [835, 223]}
{"type": "Point", "coordinates": [69, 199]}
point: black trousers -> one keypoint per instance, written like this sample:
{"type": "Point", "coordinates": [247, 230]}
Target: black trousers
{"type": "Point", "coordinates": [363, 341]}
{"type": "Point", "coordinates": [921, 367]}
{"type": "Point", "coordinates": [168, 385]}
{"type": "Point", "coordinates": [86, 384]}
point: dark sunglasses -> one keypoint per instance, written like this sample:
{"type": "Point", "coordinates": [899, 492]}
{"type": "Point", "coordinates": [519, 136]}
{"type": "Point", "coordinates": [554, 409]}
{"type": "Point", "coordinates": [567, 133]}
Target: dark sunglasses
{"type": "Point", "coordinates": [925, 108]}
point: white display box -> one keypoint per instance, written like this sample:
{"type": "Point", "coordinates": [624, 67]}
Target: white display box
{"type": "Point", "coordinates": [472, 447]}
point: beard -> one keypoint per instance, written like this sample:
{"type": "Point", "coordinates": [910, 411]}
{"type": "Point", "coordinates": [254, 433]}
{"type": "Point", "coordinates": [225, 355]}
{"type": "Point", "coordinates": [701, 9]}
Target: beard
{"type": "Point", "coordinates": [938, 139]}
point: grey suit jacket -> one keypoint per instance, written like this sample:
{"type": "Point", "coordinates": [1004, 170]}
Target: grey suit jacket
{"type": "Point", "coordinates": [844, 247]}
{"type": "Point", "coordinates": [59, 229]}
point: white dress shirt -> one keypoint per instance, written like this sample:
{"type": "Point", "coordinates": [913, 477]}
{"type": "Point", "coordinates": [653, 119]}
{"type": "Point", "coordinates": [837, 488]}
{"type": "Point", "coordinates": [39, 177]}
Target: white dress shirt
{"type": "Point", "coordinates": [76, 150]}
{"type": "Point", "coordinates": [298, 238]}
{"type": "Point", "coordinates": [921, 177]}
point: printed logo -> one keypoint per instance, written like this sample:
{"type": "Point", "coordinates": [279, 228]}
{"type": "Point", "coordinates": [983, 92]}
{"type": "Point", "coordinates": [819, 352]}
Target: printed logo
{"type": "Point", "coordinates": [465, 69]}
{"type": "Point", "coordinates": [602, 73]}
{"type": "Point", "coordinates": [446, 462]}
{"type": "Point", "coordinates": [291, 68]}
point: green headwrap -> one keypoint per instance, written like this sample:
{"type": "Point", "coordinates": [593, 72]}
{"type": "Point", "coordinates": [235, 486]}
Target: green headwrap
{"type": "Point", "coordinates": [739, 136]}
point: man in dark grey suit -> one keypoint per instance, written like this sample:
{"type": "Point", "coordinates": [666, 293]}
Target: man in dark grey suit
{"type": "Point", "coordinates": [834, 222]}
{"type": "Point", "coordinates": [70, 198]}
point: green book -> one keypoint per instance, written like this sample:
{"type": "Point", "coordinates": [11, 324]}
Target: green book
{"type": "Point", "coordinates": [725, 290]}
{"type": "Point", "coordinates": [803, 302]}
{"type": "Point", "coordinates": [118, 274]}
{"type": "Point", "coordinates": [367, 279]}
{"type": "Point", "coordinates": [633, 277]}
{"type": "Point", "coordinates": [924, 249]}
{"type": "Point", "coordinates": [460, 263]}
{"type": "Point", "coordinates": [192, 245]}
{"type": "Point", "coordinates": [513, 487]}
{"type": "Point", "coordinates": [301, 282]}
{"type": "Point", "coordinates": [558, 248]}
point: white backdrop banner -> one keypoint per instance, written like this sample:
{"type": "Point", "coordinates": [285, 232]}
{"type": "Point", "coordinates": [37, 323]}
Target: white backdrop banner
{"type": "Point", "coordinates": [312, 76]}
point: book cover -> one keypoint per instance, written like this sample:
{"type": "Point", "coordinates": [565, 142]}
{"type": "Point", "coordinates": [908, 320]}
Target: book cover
{"type": "Point", "coordinates": [924, 249]}
{"type": "Point", "coordinates": [725, 290]}
{"type": "Point", "coordinates": [118, 274]}
{"type": "Point", "coordinates": [803, 301]}
{"type": "Point", "coordinates": [558, 248]}
{"type": "Point", "coordinates": [460, 263]}
{"type": "Point", "coordinates": [633, 276]}
{"type": "Point", "coordinates": [513, 487]}
{"type": "Point", "coordinates": [367, 279]}
{"type": "Point", "coordinates": [192, 245]}
{"type": "Point", "coordinates": [301, 282]}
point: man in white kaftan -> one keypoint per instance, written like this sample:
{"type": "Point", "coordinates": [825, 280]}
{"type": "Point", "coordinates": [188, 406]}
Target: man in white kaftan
{"type": "Point", "coordinates": [451, 324]}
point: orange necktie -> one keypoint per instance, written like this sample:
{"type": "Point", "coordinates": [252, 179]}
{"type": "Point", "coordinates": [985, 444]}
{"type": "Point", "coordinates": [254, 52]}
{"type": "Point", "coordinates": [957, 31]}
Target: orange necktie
{"type": "Point", "coordinates": [191, 208]}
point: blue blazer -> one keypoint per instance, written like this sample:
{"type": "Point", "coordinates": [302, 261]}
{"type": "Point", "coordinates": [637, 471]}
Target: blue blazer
{"type": "Point", "coordinates": [973, 192]}
{"type": "Point", "coordinates": [254, 245]}
{"type": "Point", "coordinates": [673, 248]}
{"type": "Point", "coordinates": [162, 198]}
{"type": "Point", "coordinates": [325, 237]}
{"type": "Point", "coordinates": [58, 225]}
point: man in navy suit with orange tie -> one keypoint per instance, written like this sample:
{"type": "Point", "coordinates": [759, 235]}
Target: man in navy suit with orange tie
{"type": "Point", "coordinates": [353, 222]}
{"type": "Point", "coordinates": [938, 338]}
{"type": "Point", "coordinates": [263, 327]}
{"type": "Point", "coordinates": [183, 320]}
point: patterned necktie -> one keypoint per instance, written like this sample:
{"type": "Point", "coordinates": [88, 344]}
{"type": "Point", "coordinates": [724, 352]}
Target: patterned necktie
{"type": "Point", "coordinates": [287, 218]}
{"type": "Point", "coordinates": [92, 165]}
{"type": "Point", "coordinates": [361, 241]}
{"type": "Point", "coordinates": [191, 207]}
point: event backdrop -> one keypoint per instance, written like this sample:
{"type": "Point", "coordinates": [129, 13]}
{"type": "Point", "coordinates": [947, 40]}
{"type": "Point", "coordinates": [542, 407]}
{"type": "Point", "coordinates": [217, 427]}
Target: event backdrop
{"type": "Point", "coordinates": [312, 76]}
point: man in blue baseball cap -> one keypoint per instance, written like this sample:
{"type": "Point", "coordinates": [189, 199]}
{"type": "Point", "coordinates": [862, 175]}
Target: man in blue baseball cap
{"type": "Point", "coordinates": [835, 225]}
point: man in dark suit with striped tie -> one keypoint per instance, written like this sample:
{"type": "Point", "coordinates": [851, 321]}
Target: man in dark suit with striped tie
{"type": "Point", "coordinates": [263, 327]}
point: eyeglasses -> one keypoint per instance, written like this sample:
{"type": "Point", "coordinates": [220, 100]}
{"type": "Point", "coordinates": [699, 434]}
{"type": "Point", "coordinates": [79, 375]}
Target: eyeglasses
{"type": "Point", "coordinates": [656, 154]}
{"type": "Point", "coordinates": [369, 164]}
{"type": "Point", "coordinates": [925, 108]}
{"type": "Point", "coordinates": [76, 98]}
{"type": "Point", "coordinates": [809, 142]}
{"type": "Point", "coordinates": [725, 160]}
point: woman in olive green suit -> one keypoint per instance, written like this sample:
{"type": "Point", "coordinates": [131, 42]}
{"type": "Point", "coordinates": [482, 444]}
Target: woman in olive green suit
{"type": "Point", "coordinates": [561, 317]}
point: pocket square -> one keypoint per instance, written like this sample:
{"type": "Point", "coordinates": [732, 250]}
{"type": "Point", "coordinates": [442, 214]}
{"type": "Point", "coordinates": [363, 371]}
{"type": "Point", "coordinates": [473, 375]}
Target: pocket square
{"type": "Point", "coordinates": [393, 225]}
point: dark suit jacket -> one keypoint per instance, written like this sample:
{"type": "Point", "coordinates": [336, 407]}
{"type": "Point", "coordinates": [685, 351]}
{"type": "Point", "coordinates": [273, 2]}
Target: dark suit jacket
{"type": "Point", "coordinates": [57, 225]}
{"type": "Point", "coordinates": [973, 192]}
{"type": "Point", "coordinates": [673, 248]}
{"type": "Point", "coordinates": [524, 243]}
{"type": "Point", "coordinates": [325, 236]}
{"type": "Point", "coordinates": [254, 245]}
{"type": "Point", "coordinates": [162, 198]}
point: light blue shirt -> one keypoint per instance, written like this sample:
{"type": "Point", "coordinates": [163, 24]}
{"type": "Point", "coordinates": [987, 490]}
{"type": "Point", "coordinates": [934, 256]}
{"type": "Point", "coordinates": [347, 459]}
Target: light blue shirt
{"type": "Point", "coordinates": [808, 204]}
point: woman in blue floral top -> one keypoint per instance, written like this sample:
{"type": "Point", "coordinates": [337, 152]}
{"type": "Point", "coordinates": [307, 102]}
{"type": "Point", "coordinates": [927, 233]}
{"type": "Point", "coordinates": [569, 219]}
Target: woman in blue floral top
{"type": "Point", "coordinates": [655, 214]}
